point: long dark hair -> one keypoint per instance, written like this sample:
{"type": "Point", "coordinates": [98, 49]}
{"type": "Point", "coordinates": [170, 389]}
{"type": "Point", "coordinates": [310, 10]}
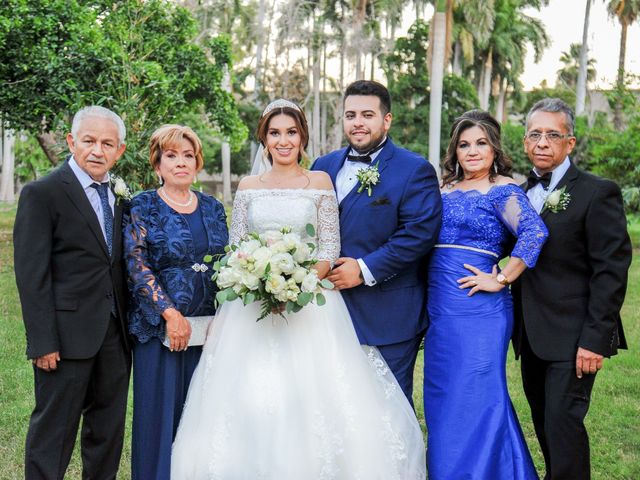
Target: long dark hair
{"type": "Point", "coordinates": [502, 164]}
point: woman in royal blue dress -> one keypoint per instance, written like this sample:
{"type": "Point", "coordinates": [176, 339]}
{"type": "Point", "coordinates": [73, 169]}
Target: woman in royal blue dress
{"type": "Point", "coordinates": [473, 431]}
{"type": "Point", "coordinates": [170, 231]}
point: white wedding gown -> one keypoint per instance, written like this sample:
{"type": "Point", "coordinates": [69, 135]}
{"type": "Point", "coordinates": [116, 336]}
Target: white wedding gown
{"type": "Point", "coordinates": [295, 399]}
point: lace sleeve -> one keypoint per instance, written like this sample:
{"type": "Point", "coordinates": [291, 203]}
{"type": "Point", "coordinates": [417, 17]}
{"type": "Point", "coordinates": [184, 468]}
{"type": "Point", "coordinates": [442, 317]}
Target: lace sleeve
{"type": "Point", "coordinates": [328, 228]}
{"type": "Point", "coordinates": [517, 214]}
{"type": "Point", "coordinates": [239, 221]}
{"type": "Point", "coordinates": [144, 284]}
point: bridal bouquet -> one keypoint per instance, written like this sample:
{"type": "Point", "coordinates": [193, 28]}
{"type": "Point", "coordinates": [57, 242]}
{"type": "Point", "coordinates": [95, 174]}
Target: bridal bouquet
{"type": "Point", "coordinates": [274, 268]}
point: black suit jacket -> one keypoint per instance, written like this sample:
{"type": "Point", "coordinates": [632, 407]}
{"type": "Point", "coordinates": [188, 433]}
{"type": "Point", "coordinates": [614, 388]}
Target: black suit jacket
{"type": "Point", "coordinates": [65, 277]}
{"type": "Point", "coordinates": [573, 296]}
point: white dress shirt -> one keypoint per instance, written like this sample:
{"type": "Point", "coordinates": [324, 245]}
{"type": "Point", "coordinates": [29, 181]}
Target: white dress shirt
{"type": "Point", "coordinates": [92, 194]}
{"type": "Point", "coordinates": [346, 181]}
{"type": "Point", "coordinates": [538, 194]}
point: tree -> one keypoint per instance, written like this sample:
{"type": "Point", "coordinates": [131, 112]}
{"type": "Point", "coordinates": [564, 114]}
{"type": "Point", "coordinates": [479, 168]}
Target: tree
{"type": "Point", "coordinates": [581, 87]}
{"type": "Point", "coordinates": [439, 27]}
{"type": "Point", "coordinates": [627, 12]}
{"type": "Point", "coordinates": [136, 57]}
{"type": "Point", "coordinates": [568, 75]}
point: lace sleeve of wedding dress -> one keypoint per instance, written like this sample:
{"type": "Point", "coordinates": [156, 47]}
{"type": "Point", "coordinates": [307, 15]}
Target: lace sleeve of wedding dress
{"type": "Point", "coordinates": [239, 220]}
{"type": "Point", "coordinates": [328, 227]}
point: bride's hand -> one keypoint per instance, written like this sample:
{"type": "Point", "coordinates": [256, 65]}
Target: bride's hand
{"type": "Point", "coordinates": [480, 281]}
{"type": "Point", "coordinates": [322, 267]}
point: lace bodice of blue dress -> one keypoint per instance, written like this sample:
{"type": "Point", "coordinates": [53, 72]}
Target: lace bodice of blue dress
{"type": "Point", "coordinates": [490, 222]}
{"type": "Point", "coordinates": [160, 254]}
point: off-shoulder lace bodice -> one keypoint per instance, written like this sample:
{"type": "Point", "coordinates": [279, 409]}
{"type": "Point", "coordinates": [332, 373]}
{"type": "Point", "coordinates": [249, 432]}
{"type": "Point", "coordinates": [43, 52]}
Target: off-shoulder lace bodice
{"type": "Point", "coordinates": [261, 210]}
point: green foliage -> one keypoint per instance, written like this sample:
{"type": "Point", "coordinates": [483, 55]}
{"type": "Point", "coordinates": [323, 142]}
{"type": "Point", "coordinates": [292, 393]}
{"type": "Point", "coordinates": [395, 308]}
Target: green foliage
{"type": "Point", "coordinates": [537, 94]}
{"type": "Point", "coordinates": [512, 136]}
{"type": "Point", "coordinates": [136, 57]}
{"type": "Point", "coordinates": [30, 160]}
{"type": "Point", "coordinates": [407, 77]}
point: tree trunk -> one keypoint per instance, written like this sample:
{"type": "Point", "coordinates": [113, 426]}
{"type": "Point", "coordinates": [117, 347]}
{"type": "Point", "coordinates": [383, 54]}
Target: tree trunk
{"type": "Point", "coordinates": [7, 190]}
{"type": "Point", "coordinates": [226, 148]}
{"type": "Point", "coordinates": [617, 113]}
{"type": "Point", "coordinates": [485, 81]}
{"type": "Point", "coordinates": [50, 146]}
{"type": "Point", "coordinates": [581, 88]}
{"type": "Point", "coordinates": [257, 86]}
{"type": "Point", "coordinates": [457, 59]}
{"type": "Point", "coordinates": [323, 125]}
{"type": "Point", "coordinates": [437, 76]}
{"type": "Point", "coordinates": [502, 95]}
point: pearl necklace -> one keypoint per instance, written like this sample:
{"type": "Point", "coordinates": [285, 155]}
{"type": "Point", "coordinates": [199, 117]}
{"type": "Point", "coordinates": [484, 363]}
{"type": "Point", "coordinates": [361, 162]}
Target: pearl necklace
{"type": "Point", "coordinates": [166, 196]}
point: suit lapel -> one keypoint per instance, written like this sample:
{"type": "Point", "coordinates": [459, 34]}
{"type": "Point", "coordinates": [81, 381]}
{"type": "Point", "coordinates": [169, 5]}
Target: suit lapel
{"type": "Point", "coordinates": [568, 180]}
{"type": "Point", "coordinates": [75, 192]}
{"type": "Point", "coordinates": [382, 161]}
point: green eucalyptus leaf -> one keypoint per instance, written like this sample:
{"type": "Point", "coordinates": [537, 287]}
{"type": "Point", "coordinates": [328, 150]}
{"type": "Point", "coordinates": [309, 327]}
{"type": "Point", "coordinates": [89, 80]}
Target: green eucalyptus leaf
{"type": "Point", "coordinates": [320, 299]}
{"type": "Point", "coordinates": [311, 231]}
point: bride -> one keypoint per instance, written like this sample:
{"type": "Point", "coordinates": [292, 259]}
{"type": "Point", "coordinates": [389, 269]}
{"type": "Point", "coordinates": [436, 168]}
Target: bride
{"type": "Point", "coordinates": [296, 398]}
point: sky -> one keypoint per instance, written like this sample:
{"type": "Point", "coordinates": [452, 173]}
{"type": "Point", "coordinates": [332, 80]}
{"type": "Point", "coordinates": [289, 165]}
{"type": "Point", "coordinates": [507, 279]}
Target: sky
{"type": "Point", "coordinates": [564, 20]}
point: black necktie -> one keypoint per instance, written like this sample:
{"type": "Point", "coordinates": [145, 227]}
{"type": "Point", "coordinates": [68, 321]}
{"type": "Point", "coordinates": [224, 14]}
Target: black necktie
{"type": "Point", "coordinates": [107, 215]}
{"type": "Point", "coordinates": [366, 158]}
{"type": "Point", "coordinates": [533, 179]}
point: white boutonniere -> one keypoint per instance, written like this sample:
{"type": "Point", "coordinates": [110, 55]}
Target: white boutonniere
{"type": "Point", "coordinates": [557, 200]}
{"type": "Point", "coordinates": [368, 178]}
{"type": "Point", "coordinates": [120, 189]}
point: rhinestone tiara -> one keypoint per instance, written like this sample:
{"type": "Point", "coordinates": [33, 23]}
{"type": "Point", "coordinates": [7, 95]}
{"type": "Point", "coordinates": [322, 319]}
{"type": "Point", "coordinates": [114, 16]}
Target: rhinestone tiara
{"type": "Point", "coordinates": [280, 103]}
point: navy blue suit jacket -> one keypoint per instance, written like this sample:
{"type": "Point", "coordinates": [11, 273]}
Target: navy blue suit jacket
{"type": "Point", "coordinates": [392, 231]}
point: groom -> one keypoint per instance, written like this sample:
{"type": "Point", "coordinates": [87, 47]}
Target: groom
{"type": "Point", "coordinates": [388, 224]}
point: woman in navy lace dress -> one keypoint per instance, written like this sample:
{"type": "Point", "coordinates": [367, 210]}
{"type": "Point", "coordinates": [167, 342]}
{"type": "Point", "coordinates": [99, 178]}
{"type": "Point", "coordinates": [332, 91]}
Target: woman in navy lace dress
{"type": "Point", "coordinates": [473, 431]}
{"type": "Point", "coordinates": [170, 231]}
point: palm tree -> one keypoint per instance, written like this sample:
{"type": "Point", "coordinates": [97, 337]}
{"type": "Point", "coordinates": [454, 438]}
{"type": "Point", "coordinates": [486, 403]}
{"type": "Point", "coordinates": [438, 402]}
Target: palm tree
{"type": "Point", "coordinates": [568, 75]}
{"type": "Point", "coordinates": [439, 28]}
{"type": "Point", "coordinates": [581, 87]}
{"type": "Point", "coordinates": [627, 12]}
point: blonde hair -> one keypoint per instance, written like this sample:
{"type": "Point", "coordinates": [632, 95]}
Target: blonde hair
{"type": "Point", "coordinates": [171, 135]}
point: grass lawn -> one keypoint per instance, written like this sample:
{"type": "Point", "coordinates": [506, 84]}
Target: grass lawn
{"type": "Point", "coordinates": [613, 422]}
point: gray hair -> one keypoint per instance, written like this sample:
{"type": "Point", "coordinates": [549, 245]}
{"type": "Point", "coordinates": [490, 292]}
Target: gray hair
{"type": "Point", "coordinates": [100, 112]}
{"type": "Point", "coordinates": [554, 105]}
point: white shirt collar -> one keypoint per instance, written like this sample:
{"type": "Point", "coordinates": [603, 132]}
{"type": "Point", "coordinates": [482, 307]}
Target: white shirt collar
{"type": "Point", "coordinates": [83, 177]}
{"type": "Point", "coordinates": [557, 173]}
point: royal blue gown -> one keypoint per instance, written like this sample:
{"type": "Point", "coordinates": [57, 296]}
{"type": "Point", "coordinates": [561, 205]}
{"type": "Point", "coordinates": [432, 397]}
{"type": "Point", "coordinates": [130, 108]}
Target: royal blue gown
{"type": "Point", "coordinates": [473, 431]}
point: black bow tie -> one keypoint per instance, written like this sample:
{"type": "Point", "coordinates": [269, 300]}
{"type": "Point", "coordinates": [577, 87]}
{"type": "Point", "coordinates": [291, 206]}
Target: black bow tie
{"type": "Point", "coordinates": [533, 179]}
{"type": "Point", "coordinates": [366, 158]}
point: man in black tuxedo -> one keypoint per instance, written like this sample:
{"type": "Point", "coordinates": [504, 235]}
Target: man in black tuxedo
{"type": "Point", "coordinates": [70, 276]}
{"type": "Point", "coordinates": [568, 307]}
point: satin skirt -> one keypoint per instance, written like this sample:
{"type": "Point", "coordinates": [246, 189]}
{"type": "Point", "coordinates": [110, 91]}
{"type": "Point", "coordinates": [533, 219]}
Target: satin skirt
{"type": "Point", "coordinates": [293, 400]}
{"type": "Point", "coordinates": [473, 431]}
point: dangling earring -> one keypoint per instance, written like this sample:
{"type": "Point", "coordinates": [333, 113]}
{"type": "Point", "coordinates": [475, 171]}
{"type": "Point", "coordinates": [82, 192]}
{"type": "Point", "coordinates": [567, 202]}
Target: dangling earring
{"type": "Point", "coordinates": [195, 179]}
{"type": "Point", "coordinates": [160, 180]}
{"type": "Point", "coordinates": [457, 169]}
{"type": "Point", "coordinates": [495, 167]}
{"type": "Point", "coordinates": [265, 154]}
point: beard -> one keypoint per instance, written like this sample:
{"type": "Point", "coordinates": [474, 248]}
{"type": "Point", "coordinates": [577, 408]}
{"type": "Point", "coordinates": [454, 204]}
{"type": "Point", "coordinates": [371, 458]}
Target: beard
{"type": "Point", "coordinates": [362, 148]}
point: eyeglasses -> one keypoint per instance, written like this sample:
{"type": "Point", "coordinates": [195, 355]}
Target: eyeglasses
{"type": "Point", "coordinates": [552, 137]}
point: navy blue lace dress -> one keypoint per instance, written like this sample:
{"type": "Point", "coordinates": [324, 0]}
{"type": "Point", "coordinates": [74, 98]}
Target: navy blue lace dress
{"type": "Point", "coordinates": [473, 431]}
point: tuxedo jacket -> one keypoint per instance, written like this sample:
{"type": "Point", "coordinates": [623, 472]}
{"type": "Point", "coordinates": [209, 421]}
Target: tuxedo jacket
{"type": "Point", "coordinates": [66, 279]}
{"type": "Point", "coordinates": [392, 231]}
{"type": "Point", "coordinates": [573, 296]}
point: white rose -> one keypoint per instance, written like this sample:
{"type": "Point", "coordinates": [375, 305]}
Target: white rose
{"type": "Point", "coordinates": [272, 236]}
{"type": "Point", "coordinates": [298, 274]}
{"type": "Point", "coordinates": [275, 284]}
{"type": "Point", "coordinates": [291, 240]}
{"type": "Point", "coordinates": [282, 263]}
{"type": "Point", "coordinates": [302, 253]}
{"type": "Point", "coordinates": [310, 282]}
{"type": "Point", "coordinates": [120, 188]}
{"type": "Point", "coordinates": [292, 295]}
{"type": "Point", "coordinates": [234, 259]}
{"type": "Point", "coordinates": [282, 296]}
{"type": "Point", "coordinates": [249, 280]}
{"type": "Point", "coordinates": [249, 246]}
{"type": "Point", "coordinates": [227, 277]}
{"type": "Point", "coordinates": [554, 198]}
{"type": "Point", "coordinates": [261, 258]}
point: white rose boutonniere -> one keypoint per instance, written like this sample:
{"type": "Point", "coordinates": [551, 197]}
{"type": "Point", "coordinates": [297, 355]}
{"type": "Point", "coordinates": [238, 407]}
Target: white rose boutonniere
{"type": "Point", "coordinates": [120, 189]}
{"type": "Point", "coordinates": [368, 178]}
{"type": "Point", "coordinates": [557, 200]}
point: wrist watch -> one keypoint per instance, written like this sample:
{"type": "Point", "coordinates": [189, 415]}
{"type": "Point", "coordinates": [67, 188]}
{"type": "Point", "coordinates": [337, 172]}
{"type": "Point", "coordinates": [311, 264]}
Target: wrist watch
{"type": "Point", "coordinates": [502, 278]}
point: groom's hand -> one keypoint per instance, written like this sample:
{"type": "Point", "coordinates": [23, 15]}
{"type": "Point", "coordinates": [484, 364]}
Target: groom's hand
{"type": "Point", "coordinates": [587, 362]}
{"type": "Point", "coordinates": [345, 274]}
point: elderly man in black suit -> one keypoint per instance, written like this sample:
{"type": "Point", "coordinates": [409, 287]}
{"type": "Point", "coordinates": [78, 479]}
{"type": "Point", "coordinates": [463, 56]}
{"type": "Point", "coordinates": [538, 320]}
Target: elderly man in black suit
{"type": "Point", "coordinates": [70, 276]}
{"type": "Point", "coordinates": [568, 307]}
